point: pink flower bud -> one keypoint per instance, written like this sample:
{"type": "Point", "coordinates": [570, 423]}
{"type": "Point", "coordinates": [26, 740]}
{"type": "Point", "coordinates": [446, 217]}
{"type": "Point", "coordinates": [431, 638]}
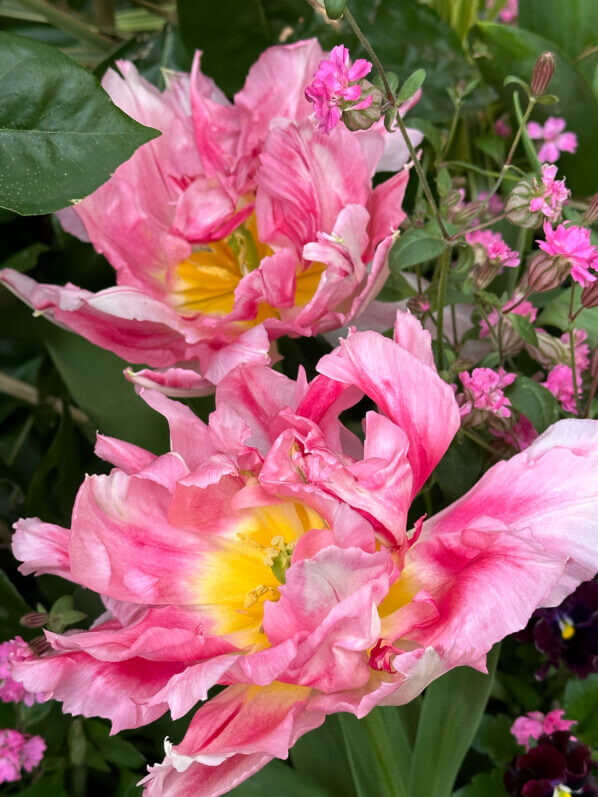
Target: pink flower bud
{"type": "Point", "coordinates": [545, 272]}
{"type": "Point", "coordinates": [589, 295]}
{"type": "Point", "coordinates": [542, 74]}
{"type": "Point", "coordinates": [34, 619]}
{"type": "Point", "coordinates": [592, 212]}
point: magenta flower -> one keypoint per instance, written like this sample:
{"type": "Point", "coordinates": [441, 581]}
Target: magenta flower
{"type": "Point", "coordinates": [239, 224]}
{"type": "Point", "coordinates": [560, 384]}
{"type": "Point", "coordinates": [525, 309]}
{"type": "Point", "coordinates": [12, 691]}
{"type": "Point", "coordinates": [502, 128]}
{"type": "Point", "coordinates": [269, 552]}
{"type": "Point", "coordinates": [483, 390]}
{"type": "Point", "coordinates": [510, 11]}
{"type": "Point", "coordinates": [520, 435]}
{"type": "Point", "coordinates": [551, 196]}
{"type": "Point", "coordinates": [336, 87]}
{"type": "Point", "coordinates": [573, 246]}
{"type": "Point", "coordinates": [581, 349]}
{"type": "Point", "coordinates": [533, 724]}
{"type": "Point", "coordinates": [490, 246]}
{"type": "Point", "coordinates": [554, 140]}
{"type": "Point", "coordinates": [18, 752]}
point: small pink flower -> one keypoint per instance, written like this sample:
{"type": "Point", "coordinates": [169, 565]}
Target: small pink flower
{"type": "Point", "coordinates": [553, 194]}
{"type": "Point", "coordinates": [495, 203]}
{"type": "Point", "coordinates": [12, 691]}
{"type": "Point", "coordinates": [521, 435]}
{"type": "Point", "coordinates": [573, 244]}
{"type": "Point", "coordinates": [510, 12]}
{"type": "Point", "coordinates": [335, 87]}
{"type": "Point", "coordinates": [525, 309]}
{"type": "Point", "coordinates": [502, 128]}
{"type": "Point", "coordinates": [554, 139]}
{"type": "Point", "coordinates": [560, 384]}
{"type": "Point", "coordinates": [491, 246]}
{"type": "Point", "coordinates": [483, 390]}
{"type": "Point", "coordinates": [17, 752]}
{"type": "Point", "coordinates": [533, 724]}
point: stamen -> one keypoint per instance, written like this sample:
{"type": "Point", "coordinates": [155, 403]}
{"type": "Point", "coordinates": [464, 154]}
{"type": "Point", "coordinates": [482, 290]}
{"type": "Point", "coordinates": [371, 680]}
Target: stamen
{"type": "Point", "coordinates": [259, 592]}
{"type": "Point", "coordinates": [567, 627]}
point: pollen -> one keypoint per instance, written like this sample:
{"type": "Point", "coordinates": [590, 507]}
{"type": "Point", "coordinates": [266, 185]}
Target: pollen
{"type": "Point", "coordinates": [567, 628]}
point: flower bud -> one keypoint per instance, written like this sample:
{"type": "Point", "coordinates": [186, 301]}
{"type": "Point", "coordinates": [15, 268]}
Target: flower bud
{"type": "Point", "coordinates": [592, 212]}
{"type": "Point", "coordinates": [589, 295]}
{"type": "Point", "coordinates": [418, 305]}
{"type": "Point", "coordinates": [545, 272]}
{"type": "Point", "coordinates": [364, 118]}
{"type": "Point", "coordinates": [34, 619]}
{"type": "Point", "coordinates": [594, 364]}
{"type": "Point", "coordinates": [542, 74]}
{"type": "Point", "coordinates": [550, 351]}
{"type": "Point", "coordinates": [517, 207]}
{"type": "Point", "coordinates": [468, 212]}
{"type": "Point", "coordinates": [484, 273]}
{"type": "Point", "coordinates": [39, 645]}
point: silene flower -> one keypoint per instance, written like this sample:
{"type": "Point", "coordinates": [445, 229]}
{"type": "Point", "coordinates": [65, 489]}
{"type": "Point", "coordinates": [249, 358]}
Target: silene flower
{"type": "Point", "coordinates": [336, 87]}
{"type": "Point", "coordinates": [483, 392]}
{"type": "Point", "coordinates": [269, 552]}
{"type": "Point", "coordinates": [491, 255]}
{"type": "Point", "coordinates": [572, 246]}
{"type": "Point", "coordinates": [239, 224]}
{"type": "Point", "coordinates": [511, 341]}
{"type": "Point", "coordinates": [534, 724]}
{"type": "Point", "coordinates": [10, 690]}
{"type": "Point", "coordinates": [19, 752]}
{"type": "Point", "coordinates": [554, 139]}
{"type": "Point", "coordinates": [560, 383]}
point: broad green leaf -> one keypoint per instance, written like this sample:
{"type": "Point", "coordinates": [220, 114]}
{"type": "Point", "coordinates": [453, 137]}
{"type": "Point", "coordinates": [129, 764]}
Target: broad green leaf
{"type": "Point", "coordinates": [494, 738]}
{"type": "Point", "coordinates": [513, 50]}
{"type": "Point", "coordinates": [95, 379]}
{"type": "Point", "coordinates": [556, 314]}
{"type": "Point", "coordinates": [114, 749]}
{"type": "Point", "coordinates": [523, 328]}
{"type": "Point", "coordinates": [460, 468]}
{"type": "Point", "coordinates": [396, 288]}
{"type": "Point", "coordinates": [26, 259]}
{"type": "Point", "coordinates": [48, 785]}
{"type": "Point", "coordinates": [534, 401]}
{"type": "Point", "coordinates": [581, 703]}
{"type": "Point", "coordinates": [233, 34]}
{"type": "Point", "coordinates": [321, 755]}
{"type": "Point", "coordinates": [60, 135]}
{"type": "Point", "coordinates": [492, 145]}
{"type": "Point", "coordinates": [431, 133]}
{"type": "Point", "coordinates": [571, 25]}
{"type": "Point", "coordinates": [451, 713]}
{"type": "Point", "coordinates": [460, 14]}
{"type": "Point", "coordinates": [408, 35]}
{"type": "Point", "coordinates": [415, 246]}
{"type": "Point", "coordinates": [486, 784]}
{"type": "Point", "coordinates": [12, 606]}
{"type": "Point", "coordinates": [374, 757]}
{"type": "Point", "coordinates": [279, 779]}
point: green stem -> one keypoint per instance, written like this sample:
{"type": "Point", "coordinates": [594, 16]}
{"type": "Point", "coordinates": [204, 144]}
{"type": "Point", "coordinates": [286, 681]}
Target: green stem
{"type": "Point", "coordinates": [70, 24]}
{"type": "Point", "coordinates": [484, 315]}
{"type": "Point", "coordinates": [401, 125]}
{"type": "Point", "coordinates": [507, 164]}
{"type": "Point", "coordinates": [444, 262]}
{"type": "Point", "coordinates": [572, 351]}
{"type": "Point", "coordinates": [451, 134]}
{"type": "Point", "coordinates": [473, 436]}
{"type": "Point", "coordinates": [483, 226]}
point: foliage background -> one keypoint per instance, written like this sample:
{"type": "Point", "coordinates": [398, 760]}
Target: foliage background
{"type": "Point", "coordinates": [56, 389]}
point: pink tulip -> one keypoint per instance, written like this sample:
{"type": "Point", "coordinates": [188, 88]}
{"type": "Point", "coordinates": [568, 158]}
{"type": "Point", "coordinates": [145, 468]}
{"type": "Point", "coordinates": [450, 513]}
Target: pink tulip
{"type": "Point", "coordinates": [239, 224]}
{"type": "Point", "coordinates": [269, 552]}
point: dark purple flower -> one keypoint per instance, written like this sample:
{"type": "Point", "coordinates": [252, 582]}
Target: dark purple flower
{"type": "Point", "coordinates": [558, 765]}
{"type": "Point", "coordinates": [569, 632]}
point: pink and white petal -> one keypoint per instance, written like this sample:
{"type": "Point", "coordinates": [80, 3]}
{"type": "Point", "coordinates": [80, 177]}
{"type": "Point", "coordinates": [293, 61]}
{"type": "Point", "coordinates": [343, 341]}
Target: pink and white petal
{"type": "Point", "coordinates": [126, 456]}
{"type": "Point", "coordinates": [207, 212]}
{"type": "Point", "coordinates": [411, 336]}
{"type": "Point", "coordinates": [176, 382]}
{"type": "Point", "coordinates": [41, 547]}
{"type": "Point", "coordinates": [275, 89]}
{"type": "Point", "coordinates": [273, 283]}
{"type": "Point", "coordinates": [305, 179]}
{"type": "Point", "coordinates": [406, 390]}
{"type": "Point", "coordinates": [385, 209]}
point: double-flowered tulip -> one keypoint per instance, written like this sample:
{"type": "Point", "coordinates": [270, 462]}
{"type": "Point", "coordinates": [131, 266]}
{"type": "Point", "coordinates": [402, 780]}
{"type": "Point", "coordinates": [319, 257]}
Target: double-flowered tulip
{"type": "Point", "coordinates": [270, 553]}
{"type": "Point", "coordinates": [242, 222]}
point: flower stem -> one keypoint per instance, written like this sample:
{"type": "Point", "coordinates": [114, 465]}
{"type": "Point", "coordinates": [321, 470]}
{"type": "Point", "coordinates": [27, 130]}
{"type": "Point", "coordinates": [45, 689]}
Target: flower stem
{"type": "Point", "coordinates": [572, 351]}
{"type": "Point", "coordinates": [401, 125]}
{"type": "Point", "coordinates": [444, 262]}
{"type": "Point", "coordinates": [478, 440]}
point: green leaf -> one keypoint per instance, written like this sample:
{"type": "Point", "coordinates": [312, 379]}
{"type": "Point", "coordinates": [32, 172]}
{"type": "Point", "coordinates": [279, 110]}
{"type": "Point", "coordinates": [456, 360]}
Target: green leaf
{"type": "Point", "coordinates": [60, 135]}
{"type": "Point", "coordinates": [322, 756]}
{"type": "Point", "coordinates": [528, 144]}
{"type": "Point", "coordinates": [374, 761]}
{"type": "Point", "coordinates": [26, 258]}
{"type": "Point", "coordinates": [492, 145]}
{"type": "Point", "coordinates": [278, 779]}
{"type": "Point", "coordinates": [415, 246]}
{"type": "Point", "coordinates": [486, 784]}
{"type": "Point", "coordinates": [411, 85]}
{"type": "Point", "coordinates": [495, 739]}
{"type": "Point", "coordinates": [523, 328]}
{"type": "Point", "coordinates": [556, 314]}
{"type": "Point", "coordinates": [335, 8]}
{"type": "Point", "coordinates": [443, 182]}
{"type": "Point", "coordinates": [534, 401]}
{"type": "Point", "coordinates": [451, 713]}
{"type": "Point", "coordinates": [431, 133]}
{"type": "Point", "coordinates": [572, 25]}
{"type": "Point", "coordinates": [233, 34]}
{"type": "Point", "coordinates": [460, 468]}
{"type": "Point", "coordinates": [12, 607]}
{"type": "Point", "coordinates": [515, 50]}
{"type": "Point", "coordinates": [115, 408]}
{"type": "Point", "coordinates": [114, 749]}
{"type": "Point", "coordinates": [430, 41]}
{"type": "Point", "coordinates": [581, 703]}
{"type": "Point", "coordinates": [50, 784]}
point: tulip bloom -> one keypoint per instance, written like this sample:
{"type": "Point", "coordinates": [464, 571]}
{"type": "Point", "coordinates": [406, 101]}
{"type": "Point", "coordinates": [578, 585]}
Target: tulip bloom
{"type": "Point", "coordinates": [240, 223]}
{"type": "Point", "coordinates": [269, 552]}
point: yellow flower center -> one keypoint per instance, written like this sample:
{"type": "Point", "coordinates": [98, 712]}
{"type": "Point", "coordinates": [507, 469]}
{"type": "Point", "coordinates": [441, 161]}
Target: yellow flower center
{"type": "Point", "coordinates": [248, 566]}
{"type": "Point", "coordinates": [206, 281]}
{"type": "Point", "coordinates": [567, 628]}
